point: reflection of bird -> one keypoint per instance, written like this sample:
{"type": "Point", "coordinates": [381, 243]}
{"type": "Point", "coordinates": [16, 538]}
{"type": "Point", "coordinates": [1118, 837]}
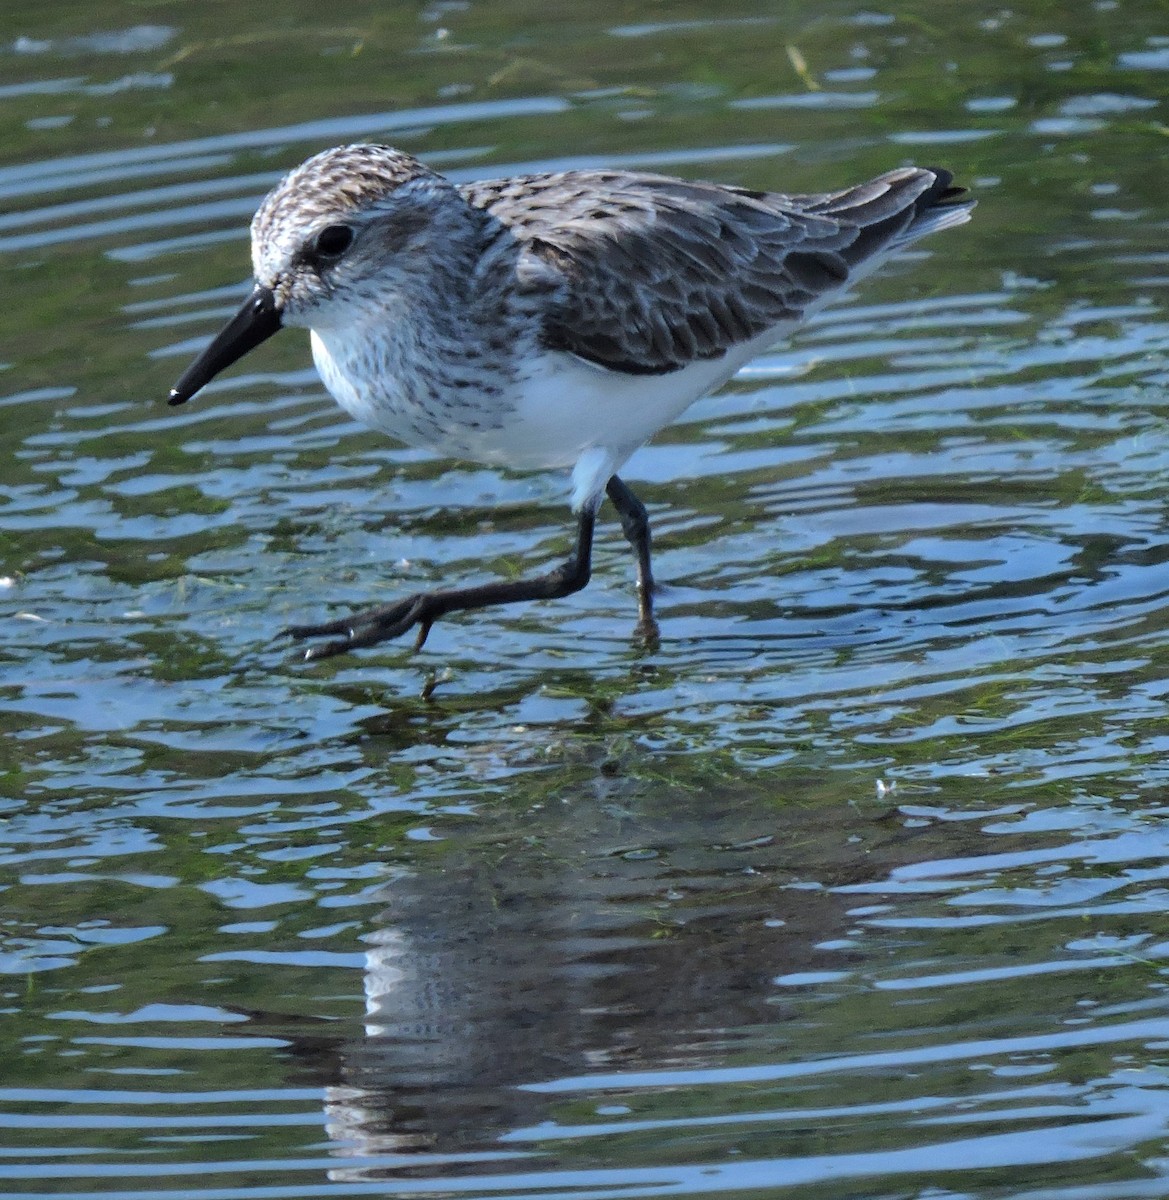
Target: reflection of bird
{"type": "Point", "coordinates": [544, 320]}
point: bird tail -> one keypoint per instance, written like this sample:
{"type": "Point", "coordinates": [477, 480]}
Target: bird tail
{"type": "Point", "coordinates": [942, 205]}
{"type": "Point", "coordinates": [895, 209]}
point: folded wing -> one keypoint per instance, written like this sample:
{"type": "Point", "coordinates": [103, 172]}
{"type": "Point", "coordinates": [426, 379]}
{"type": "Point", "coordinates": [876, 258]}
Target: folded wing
{"type": "Point", "coordinates": [654, 273]}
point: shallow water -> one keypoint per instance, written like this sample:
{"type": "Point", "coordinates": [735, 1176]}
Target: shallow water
{"type": "Point", "coordinates": [855, 886]}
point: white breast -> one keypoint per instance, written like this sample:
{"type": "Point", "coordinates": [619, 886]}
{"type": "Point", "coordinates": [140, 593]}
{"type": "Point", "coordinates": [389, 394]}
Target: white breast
{"type": "Point", "coordinates": [563, 411]}
{"type": "Point", "coordinates": [572, 413]}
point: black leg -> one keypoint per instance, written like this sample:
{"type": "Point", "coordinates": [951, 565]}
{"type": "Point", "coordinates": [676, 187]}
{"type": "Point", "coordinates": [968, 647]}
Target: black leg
{"type": "Point", "coordinates": [423, 609]}
{"type": "Point", "coordinates": [635, 523]}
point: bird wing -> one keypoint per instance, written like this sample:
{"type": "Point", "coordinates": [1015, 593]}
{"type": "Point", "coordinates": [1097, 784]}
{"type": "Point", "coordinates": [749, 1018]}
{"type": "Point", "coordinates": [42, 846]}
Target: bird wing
{"type": "Point", "coordinates": [654, 273]}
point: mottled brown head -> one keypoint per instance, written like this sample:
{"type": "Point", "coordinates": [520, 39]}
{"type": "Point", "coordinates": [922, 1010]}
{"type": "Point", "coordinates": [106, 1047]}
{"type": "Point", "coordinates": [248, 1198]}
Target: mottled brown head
{"type": "Point", "coordinates": [346, 176]}
{"type": "Point", "coordinates": [348, 235]}
{"type": "Point", "coordinates": [346, 188]}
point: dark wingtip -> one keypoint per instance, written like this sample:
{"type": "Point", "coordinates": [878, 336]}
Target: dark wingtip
{"type": "Point", "coordinates": [175, 397]}
{"type": "Point", "coordinates": [944, 191]}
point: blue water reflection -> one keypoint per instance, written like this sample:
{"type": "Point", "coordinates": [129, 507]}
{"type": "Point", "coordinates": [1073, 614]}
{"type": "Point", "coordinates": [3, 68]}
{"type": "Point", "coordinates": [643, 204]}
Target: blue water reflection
{"type": "Point", "coordinates": [855, 885]}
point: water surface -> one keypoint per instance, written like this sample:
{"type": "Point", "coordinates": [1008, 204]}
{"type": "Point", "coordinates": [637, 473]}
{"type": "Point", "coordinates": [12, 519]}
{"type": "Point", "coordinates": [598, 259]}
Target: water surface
{"type": "Point", "coordinates": [854, 886]}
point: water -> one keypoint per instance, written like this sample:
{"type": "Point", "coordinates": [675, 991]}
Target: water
{"type": "Point", "coordinates": [853, 887]}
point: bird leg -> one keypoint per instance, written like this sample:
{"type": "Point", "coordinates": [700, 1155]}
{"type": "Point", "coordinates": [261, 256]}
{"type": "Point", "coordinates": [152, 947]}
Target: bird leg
{"type": "Point", "coordinates": [635, 524]}
{"type": "Point", "coordinates": [375, 625]}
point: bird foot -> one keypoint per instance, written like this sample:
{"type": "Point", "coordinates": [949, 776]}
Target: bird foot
{"type": "Point", "coordinates": [367, 628]}
{"type": "Point", "coordinates": [647, 635]}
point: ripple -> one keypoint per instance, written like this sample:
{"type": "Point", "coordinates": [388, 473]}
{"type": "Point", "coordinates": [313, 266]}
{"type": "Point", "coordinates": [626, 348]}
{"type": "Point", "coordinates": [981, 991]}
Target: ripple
{"type": "Point", "coordinates": [869, 845]}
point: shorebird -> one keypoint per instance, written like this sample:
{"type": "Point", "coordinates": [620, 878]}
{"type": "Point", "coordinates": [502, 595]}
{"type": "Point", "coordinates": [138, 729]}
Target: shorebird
{"type": "Point", "coordinates": [544, 321]}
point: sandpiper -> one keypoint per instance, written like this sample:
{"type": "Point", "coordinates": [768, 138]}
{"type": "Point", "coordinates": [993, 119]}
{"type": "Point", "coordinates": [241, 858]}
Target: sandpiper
{"type": "Point", "coordinates": [544, 321]}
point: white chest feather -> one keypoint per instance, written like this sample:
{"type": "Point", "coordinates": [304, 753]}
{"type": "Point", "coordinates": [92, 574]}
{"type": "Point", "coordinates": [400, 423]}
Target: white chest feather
{"type": "Point", "coordinates": [546, 411]}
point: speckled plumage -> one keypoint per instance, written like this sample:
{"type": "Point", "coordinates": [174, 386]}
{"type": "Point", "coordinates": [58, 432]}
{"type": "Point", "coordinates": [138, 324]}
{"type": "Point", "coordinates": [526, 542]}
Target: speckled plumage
{"type": "Point", "coordinates": [509, 320]}
{"type": "Point", "coordinates": [660, 272]}
{"type": "Point", "coordinates": [554, 320]}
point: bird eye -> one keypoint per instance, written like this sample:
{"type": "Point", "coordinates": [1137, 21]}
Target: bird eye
{"type": "Point", "coordinates": [333, 241]}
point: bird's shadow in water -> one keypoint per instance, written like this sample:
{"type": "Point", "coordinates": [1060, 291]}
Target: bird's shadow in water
{"type": "Point", "coordinates": [602, 930]}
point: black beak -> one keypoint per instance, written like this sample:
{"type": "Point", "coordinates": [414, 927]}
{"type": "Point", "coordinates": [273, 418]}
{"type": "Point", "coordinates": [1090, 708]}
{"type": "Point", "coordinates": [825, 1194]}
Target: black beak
{"type": "Point", "coordinates": [256, 322]}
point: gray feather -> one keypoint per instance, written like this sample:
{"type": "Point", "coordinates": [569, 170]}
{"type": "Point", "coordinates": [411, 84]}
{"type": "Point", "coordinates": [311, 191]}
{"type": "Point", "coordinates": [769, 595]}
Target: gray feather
{"type": "Point", "coordinates": [657, 272]}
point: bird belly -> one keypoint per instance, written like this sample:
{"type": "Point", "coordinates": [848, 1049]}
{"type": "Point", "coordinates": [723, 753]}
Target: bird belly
{"type": "Point", "coordinates": [566, 405]}
{"type": "Point", "coordinates": [554, 412]}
